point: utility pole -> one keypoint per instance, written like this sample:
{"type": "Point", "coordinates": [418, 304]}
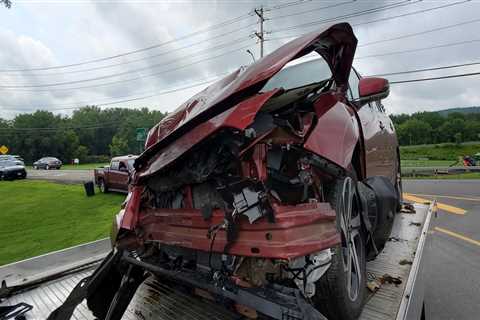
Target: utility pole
{"type": "Point", "coordinates": [260, 33]}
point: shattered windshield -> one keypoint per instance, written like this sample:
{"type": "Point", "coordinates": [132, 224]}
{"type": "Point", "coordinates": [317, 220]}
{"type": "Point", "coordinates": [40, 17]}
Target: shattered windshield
{"type": "Point", "coordinates": [299, 75]}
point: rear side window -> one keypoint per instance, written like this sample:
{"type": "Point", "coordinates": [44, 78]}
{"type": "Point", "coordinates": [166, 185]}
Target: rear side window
{"type": "Point", "coordinates": [130, 164]}
{"type": "Point", "coordinates": [114, 165]}
{"type": "Point", "coordinates": [122, 166]}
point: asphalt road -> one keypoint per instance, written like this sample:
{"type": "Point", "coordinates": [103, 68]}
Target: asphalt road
{"type": "Point", "coordinates": [453, 287]}
{"type": "Point", "coordinates": [64, 176]}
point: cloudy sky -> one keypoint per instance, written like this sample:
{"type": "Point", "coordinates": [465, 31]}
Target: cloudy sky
{"type": "Point", "coordinates": [101, 52]}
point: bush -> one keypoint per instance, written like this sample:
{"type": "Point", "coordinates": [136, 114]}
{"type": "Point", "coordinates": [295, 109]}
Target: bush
{"type": "Point", "coordinates": [97, 159]}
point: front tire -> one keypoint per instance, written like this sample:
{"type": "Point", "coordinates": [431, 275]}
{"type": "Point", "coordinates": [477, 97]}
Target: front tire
{"type": "Point", "coordinates": [340, 292]}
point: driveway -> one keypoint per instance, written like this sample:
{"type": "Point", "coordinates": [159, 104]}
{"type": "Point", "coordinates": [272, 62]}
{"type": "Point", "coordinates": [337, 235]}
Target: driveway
{"type": "Point", "coordinates": [64, 176]}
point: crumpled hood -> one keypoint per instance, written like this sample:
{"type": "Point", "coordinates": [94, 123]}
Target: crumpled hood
{"type": "Point", "coordinates": [335, 43]}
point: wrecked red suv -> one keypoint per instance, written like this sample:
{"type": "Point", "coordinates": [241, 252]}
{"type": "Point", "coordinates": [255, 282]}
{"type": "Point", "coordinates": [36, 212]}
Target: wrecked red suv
{"type": "Point", "coordinates": [268, 190]}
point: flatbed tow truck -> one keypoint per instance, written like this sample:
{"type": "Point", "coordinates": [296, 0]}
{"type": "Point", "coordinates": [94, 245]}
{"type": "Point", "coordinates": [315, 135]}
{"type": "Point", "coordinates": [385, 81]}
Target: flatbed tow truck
{"type": "Point", "coordinates": [42, 283]}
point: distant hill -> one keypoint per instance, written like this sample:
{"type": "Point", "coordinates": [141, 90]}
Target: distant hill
{"type": "Point", "coordinates": [464, 110]}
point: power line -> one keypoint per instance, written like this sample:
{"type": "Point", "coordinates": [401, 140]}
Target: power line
{"type": "Point", "coordinates": [158, 65]}
{"type": "Point", "coordinates": [288, 4]}
{"type": "Point", "coordinates": [313, 9]}
{"type": "Point", "coordinates": [113, 75]}
{"type": "Point", "coordinates": [76, 105]}
{"type": "Point", "coordinates": [372, 21]}
{"type": "Point", "coordinates": [426, 69]}
{"type": "Point", "coordinates": [183, 88]}
{"type": "Point", "coordinates": [215, 26]}
{"type": "Point", "coordinates": [94, 126]}
{"type": "Point", "coordinates": [437, 78]}
{"type": "Point", "coordinates": [49, 132]}
{"type": "Point", "coordinates": [351, 15]}
{"type": "Point", "coordinates": [413, 12]}
{"type": "Point", "coordinates": [409, 35]}
{"type": "Point", "coordinates": [419, 49]}
{"type": "Point", "coordinates": [146, 58]}
{"type": "Point", "coordinates": [404, 36]}
{"type": "Point", "coordinates": [118, 81]}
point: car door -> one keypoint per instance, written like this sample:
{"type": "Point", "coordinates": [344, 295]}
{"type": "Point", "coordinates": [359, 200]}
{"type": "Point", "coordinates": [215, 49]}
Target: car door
{"type": "Point", "coordinates": [373, 135]}
{"type": "Point", "coordinates": [123, 175]}
{"type": "Point", "coordinates": [43, 163]}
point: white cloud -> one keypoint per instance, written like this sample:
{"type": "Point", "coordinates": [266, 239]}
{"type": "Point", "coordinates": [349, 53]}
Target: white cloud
{"type": "Point", "coordinates": [55, 33]}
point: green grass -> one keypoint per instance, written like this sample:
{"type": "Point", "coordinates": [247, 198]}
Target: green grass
{"type": "Point", "coordinates": [460, 176]}
{"type": "Point", "coordinates": [429, 163]}
{"type": "Point", "coordinates": [37, 217]}
{"type": "Point", "coordinates": [83, 166]}
{"type": "Point", "coordinates": [443, 151]}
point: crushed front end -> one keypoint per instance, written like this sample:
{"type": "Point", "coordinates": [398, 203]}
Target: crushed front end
{"type": "Point", "coordinates": [245, 206]}
{"type": "Point", "coordinates": [230, 198]}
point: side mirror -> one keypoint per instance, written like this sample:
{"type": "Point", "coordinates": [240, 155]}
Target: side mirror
{"type": "Point", "coordinates": [371, 89]}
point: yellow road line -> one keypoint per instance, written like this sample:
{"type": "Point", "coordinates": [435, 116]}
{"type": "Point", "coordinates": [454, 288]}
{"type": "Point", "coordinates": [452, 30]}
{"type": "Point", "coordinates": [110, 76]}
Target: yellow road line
{"type": "Point", "coordinates": [441, 206]}
{"type": "Point", "coordinates": [458, 236]}
{"type": "Point", "coordinates": [410, 197]}
{"type": "Point", "coordinates": [448, 197]}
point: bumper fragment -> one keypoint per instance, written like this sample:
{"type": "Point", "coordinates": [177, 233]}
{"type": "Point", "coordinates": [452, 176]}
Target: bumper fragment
{"type": "Point", "coordinates": [298, 230]}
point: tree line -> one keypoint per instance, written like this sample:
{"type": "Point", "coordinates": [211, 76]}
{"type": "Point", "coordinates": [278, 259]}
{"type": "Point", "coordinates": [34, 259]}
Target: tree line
{"type": "Point", "coordinates": [433, 127]}
{"type": "Point", "coordinates": [90, 134]}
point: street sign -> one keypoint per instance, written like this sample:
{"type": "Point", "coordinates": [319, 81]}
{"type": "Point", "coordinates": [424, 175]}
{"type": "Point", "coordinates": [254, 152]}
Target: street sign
{"type": "Point", "coordinates": [141, 134]}
{"type": "Point", "coordinates": [3, 149]}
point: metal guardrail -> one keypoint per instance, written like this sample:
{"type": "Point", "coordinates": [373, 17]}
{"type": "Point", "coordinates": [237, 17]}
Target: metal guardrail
{"type": "Point", "coordinates": [419, 171]}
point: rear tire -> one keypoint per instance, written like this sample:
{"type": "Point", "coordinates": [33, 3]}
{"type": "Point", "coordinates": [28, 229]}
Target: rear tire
{"type": "Point", "coordinates": [101, 185]}
{"type": "Point", "coordinates": [340, 292]}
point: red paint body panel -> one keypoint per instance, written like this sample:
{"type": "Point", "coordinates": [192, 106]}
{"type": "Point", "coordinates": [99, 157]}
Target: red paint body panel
{"type": "Point", "coordinates": [132, 208]}
{"type": "Point", "coordinates": [298, 231]}
{"type": "Point", "coordinates": [371, 85]}
{"type": "Point", "coordinates": [336, 133]}
{"type": "Point", "coordinates": [238, 117]}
